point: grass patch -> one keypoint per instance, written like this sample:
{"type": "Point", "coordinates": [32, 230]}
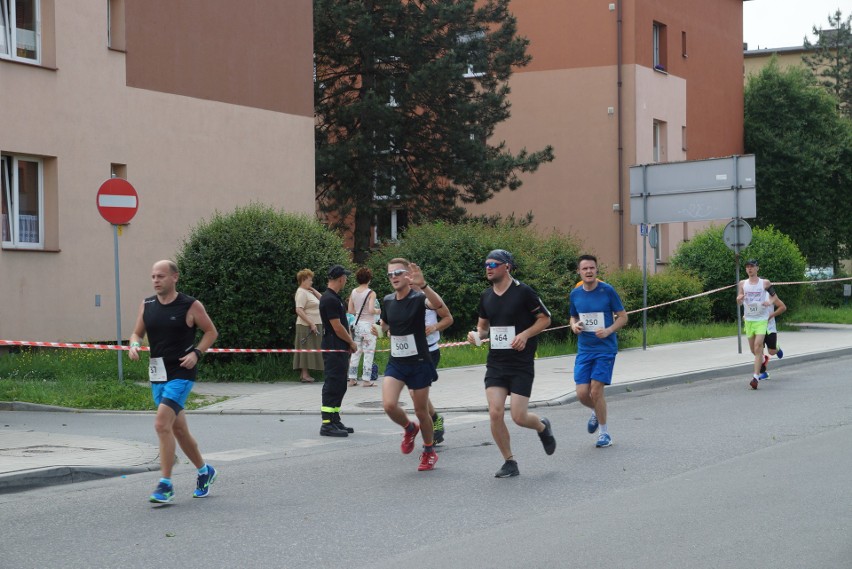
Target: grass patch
{"type": "Point", "coordinates": [88, 379]}
{"type": "Point", "coordinates": [81, 379]}
{"type": "Point", "coordinates": [822, 314]}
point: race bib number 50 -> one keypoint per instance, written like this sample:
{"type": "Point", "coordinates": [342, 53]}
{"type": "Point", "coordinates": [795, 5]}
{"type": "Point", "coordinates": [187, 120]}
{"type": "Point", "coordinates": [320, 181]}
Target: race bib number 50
{"type": "Point", "coordinates": [157, 371]}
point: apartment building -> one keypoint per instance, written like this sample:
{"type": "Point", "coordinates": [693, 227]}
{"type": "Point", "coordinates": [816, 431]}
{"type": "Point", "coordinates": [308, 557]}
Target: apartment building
{"type": "Point", "coordinates": [614, 84]}
{"type": "Point", "coordinates": [202, 105]}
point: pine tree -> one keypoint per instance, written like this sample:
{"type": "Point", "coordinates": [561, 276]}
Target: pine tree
{"type": "Point", "coordinates": [408, 94]}
{"type": "Point", "coordinates": [832, 59]}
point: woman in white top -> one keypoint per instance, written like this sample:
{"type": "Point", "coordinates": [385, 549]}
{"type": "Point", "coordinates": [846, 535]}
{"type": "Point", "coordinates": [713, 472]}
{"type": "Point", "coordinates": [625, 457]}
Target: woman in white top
{"type": "Point", "coordinates": [308, 326]}
{"type": "Point", "coordinates": [362, 302]}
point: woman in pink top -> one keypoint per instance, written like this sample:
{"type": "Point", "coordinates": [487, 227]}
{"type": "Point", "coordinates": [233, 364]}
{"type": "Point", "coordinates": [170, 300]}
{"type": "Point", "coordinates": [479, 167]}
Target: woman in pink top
{"type": "Point", "coordinates": [362, 302]}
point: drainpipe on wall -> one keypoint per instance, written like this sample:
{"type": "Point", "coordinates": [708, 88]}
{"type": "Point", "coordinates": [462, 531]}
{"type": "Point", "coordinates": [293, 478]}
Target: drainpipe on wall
{"type": "Point", "coordinates": [620, 47]}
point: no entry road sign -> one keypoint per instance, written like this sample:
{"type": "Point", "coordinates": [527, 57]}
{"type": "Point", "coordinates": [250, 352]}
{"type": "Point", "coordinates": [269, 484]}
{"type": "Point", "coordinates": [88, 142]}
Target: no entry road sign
{"type": "Point", "coordinates": [117, 201]}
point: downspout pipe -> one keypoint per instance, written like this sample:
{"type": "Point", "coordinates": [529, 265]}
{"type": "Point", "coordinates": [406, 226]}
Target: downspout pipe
{"type": "Point", "coordinates": [621, 204]}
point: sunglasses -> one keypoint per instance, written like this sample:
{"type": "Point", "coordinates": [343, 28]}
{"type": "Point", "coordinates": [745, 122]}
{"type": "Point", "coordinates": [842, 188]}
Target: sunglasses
{"type": "Point", "coordinates": [397, 273]}
{"type": "Point", "coordinates": [493, 264]}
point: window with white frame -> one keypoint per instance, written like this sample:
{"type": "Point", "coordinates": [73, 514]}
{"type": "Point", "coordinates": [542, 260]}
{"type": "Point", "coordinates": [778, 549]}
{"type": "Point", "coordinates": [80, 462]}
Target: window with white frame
{"type": "Point", "coordinates": [477, 61]}
{"type": "Point", "coordinates": [20, 34]}
{"type": "Point", "coordinates": [22, 214]}
{"type": "Point", "coordinates": [659, 149]}
{"type": "Point", "coordinates": [659, 39]}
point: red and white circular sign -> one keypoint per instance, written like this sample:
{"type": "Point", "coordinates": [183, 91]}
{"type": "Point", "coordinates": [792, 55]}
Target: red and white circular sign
{"type": "Point", "coordinates": [117, 201]}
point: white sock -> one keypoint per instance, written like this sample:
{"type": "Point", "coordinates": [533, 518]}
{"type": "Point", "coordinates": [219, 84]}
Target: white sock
{"type": "Point", "coordinates": [603, 430]}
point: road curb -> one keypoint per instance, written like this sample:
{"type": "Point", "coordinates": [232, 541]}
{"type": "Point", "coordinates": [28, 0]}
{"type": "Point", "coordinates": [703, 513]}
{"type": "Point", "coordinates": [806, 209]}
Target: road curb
{"type": "Point", "coordinates": [55, 475]}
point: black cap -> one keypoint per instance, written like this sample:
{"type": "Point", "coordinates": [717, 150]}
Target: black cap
{"type": "Point", "coordinates": [337, 271]}
{"type": "Point", "coordinates": [752, 262]}
{"type": "Point", "coordinates": [502, 256]}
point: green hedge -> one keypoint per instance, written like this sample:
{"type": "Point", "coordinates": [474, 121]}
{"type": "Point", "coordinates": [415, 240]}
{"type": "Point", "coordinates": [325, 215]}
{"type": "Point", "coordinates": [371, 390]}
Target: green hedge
{"type": "Point", "coordinates": [242, 266]}
{"type": "Point", "coordinates": [452, 258]}
{"type": "Point", "coordinates": [707, 257]}
{"type": "Point", "coordinates": [662, 287]}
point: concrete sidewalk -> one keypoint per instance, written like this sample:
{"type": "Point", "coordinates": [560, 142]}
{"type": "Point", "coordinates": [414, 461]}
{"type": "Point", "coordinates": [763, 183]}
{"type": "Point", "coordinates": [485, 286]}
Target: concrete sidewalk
{"type": "Point", "coordinates": [30, 459]}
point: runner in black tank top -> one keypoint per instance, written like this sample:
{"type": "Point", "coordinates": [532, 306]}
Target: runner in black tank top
{"type": "Point", "coordinates": [171, 319]}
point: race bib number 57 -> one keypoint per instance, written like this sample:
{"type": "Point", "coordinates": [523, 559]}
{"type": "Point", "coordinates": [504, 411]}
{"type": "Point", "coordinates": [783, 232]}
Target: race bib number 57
{"type": "Point", "coordinates": [157, 371]}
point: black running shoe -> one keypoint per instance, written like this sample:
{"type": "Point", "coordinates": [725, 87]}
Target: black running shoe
{"type": "Point", "coordinates": [548, 441]}
{"type": "Point", "coordinates": [509, 468]}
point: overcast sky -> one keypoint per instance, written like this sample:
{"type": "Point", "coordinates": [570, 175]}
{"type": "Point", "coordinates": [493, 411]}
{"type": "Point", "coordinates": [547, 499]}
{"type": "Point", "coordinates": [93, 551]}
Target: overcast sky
{"type": "Point", "coordinates": [784, 23]}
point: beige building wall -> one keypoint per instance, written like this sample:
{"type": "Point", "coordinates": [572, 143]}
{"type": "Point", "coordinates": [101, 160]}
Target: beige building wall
{"type": "Point", "coordinates": [755, 60]}
{"type": "Point", "coordinates": [187, 157]}
{"type": "Point", "coordinates": [568, 97]}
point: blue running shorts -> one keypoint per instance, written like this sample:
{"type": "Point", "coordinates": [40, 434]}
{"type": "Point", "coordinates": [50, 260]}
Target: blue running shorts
{"type": "Point", "coordinates": [172, 393]}
{"type": "Point", "coordinates": [589, 366]}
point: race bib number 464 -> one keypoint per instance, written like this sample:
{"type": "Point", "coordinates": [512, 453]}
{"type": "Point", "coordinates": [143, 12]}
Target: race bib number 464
{"type": "Point", "coordinates": [502, 337]}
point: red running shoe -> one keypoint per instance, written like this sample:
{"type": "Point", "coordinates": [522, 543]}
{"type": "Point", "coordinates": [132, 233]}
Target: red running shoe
{"type": "Point", "coordinates": [408, 439]}
{"type": "Point", "coordinates": [428, 460]}
{"type": "Point", "coordinates": [752, 383]}
{"type": "Point", "coordinates": [765, 362]}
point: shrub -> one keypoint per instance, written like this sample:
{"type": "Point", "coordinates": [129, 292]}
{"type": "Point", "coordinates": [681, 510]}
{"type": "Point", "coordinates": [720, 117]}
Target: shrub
{"type": "Point", "coordinates": [242, 266]}
{"type": "Point", "coordinates": [662, 287]}
{"type": "Point", "coordinates": [452, 256]}
{"type": "Point", "coordinates": [826, 294]}
{"type": "Point", "coordinates": [707, 257]}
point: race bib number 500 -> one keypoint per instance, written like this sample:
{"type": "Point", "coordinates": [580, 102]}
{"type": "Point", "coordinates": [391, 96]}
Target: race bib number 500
{"type": "Point", "coordinates": [403, 346]}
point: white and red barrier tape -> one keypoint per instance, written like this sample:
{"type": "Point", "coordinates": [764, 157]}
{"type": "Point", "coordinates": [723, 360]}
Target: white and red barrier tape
{"type": "Point", "coordinates": [23, 343]}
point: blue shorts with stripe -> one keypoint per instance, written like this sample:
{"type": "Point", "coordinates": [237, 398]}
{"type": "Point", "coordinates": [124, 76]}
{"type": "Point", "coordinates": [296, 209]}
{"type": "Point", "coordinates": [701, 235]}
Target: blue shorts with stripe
{"type": "Point", "coordinates": [590, 366]}
{"type": "Point", "coordinates": [172, 393]}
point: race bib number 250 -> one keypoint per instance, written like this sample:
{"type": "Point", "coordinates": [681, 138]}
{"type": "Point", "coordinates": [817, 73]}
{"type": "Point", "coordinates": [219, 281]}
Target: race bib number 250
{"type": "Point", "coordinates": [592, 321]}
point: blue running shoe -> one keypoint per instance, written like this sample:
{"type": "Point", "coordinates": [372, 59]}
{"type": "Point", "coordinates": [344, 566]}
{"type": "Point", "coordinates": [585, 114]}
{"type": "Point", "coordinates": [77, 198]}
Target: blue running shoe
{"type": "Point", "coordinates": [164, 494]}
{"type": "Point", "coordinates": [762, 376]}
{"type": "Point", "coordinates": [780, 353]}
{"type": "Point", "coordinates": [593, 424]}
{"type": "Point", "coordinates": [202, 485]}
{"type": "Point", "coordinates": [604, 440]}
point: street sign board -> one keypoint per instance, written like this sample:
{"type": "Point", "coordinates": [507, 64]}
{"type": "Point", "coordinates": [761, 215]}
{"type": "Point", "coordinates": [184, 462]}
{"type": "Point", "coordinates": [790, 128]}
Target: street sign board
{"type": "Point", "coordinates": [117, 201]}
{"type": "Point", "coordinates": [695, 190]}
{"type": "Point", "coordinates": [737, 235]}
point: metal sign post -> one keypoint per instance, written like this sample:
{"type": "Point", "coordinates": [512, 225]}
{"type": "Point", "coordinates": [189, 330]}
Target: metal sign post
{"type": "Point", "coordinates": [695, 190]}
{"type": "Point", "coordinates": [737, 236]}
{"type": "Point", "coordinates": [117, 203]}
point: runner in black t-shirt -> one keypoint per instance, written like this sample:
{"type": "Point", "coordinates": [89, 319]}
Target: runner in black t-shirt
{"type": "Point", "coordinates": [410, 364]}
{"type": "Point", "coordinates": [511, 314]}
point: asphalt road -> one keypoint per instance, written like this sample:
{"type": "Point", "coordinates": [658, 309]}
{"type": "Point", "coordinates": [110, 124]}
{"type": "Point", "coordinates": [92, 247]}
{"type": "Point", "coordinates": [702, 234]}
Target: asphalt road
{"type": "Point", "coordinates": [701, 475]}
